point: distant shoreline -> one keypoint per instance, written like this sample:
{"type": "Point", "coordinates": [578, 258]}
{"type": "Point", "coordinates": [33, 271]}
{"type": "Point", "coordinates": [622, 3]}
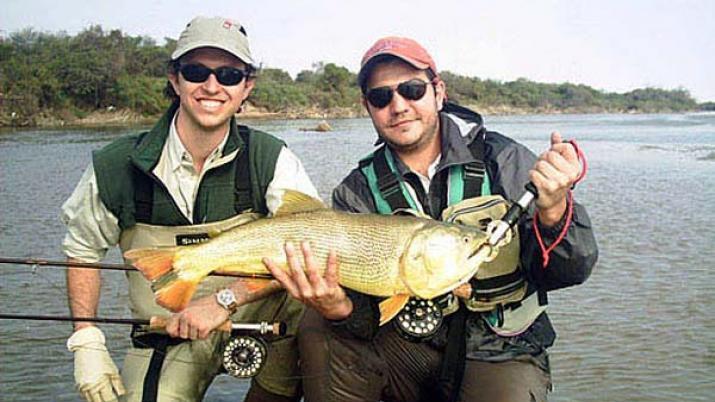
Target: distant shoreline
{"type": "Point", "coordinates": [128, 118]}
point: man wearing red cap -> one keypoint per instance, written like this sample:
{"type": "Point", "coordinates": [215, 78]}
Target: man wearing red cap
{"type": "Point", "coordinates": [436, 156]}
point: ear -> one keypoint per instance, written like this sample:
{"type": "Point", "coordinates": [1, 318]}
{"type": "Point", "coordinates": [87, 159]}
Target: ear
{"type": "Point", "coordinates": [366, 105]}
{"type": "Point", "coordinates": [249, 83]}
{"type": "Point", "coordinates": [440, 93]}
{"type": "Point", "coordinates": [174, 80]}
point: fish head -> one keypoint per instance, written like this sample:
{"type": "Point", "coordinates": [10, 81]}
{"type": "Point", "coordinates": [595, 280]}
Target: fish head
{"type": "Point", "coordinates": [441, 257]}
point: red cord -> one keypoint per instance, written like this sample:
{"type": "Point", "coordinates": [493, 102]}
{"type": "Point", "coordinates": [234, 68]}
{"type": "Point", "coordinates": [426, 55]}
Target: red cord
{"type": "Point", "coordinates": [545, 252]}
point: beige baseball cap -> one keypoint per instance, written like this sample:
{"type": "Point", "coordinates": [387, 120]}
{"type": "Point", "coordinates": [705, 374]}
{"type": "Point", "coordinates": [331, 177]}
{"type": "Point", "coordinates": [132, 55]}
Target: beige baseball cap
{"type": "Point", "coordinates": [221, 33]}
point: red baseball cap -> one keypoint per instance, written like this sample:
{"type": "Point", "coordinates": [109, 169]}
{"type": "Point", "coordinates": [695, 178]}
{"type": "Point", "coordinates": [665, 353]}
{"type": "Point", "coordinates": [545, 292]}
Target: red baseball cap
{"type": "Point", "coordinates": [403, 48]}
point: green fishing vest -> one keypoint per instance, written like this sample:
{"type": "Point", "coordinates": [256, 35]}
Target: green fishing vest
{"type": "Point", "coordinates": [129, 189]}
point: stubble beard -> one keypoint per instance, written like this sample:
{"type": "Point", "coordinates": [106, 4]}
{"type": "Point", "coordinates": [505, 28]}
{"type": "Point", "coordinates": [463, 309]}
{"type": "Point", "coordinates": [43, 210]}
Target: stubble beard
{"type": "Point", "coordinates": [426, 138]}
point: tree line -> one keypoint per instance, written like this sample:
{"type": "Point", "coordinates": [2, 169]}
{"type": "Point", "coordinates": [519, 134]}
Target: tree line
{"type": "Point", "coordinates": [68, 76]}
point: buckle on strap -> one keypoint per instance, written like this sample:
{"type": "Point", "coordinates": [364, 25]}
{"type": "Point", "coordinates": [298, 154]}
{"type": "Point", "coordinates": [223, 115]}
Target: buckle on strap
{"type": "Point", "coordinates": [474, 169]}
{"type": "Point", "coordinates": [388, 184]}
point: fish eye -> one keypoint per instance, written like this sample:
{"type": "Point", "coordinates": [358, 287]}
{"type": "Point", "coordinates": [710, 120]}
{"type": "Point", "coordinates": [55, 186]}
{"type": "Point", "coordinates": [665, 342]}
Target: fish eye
{"type": "Point", "coordinates": [466, 239]}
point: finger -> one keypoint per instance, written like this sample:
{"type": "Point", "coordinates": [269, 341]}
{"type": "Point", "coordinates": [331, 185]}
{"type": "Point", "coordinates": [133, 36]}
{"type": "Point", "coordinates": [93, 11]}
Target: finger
{"type": "Point", "coordinates": [117, 384]}
{"type": "Point", "coordinates": [93, 395]}
{"type": "Point", "coordinates": [90, 396]}
{"type": "Point", "coordinates": [203, 334]}
{"type": "Point", "coordinates": [297, 272]}
{"type": "Point", "coordinates": [331, 270]}
{"type": "Point", "coordinates": [282, 277]}
{"type": "Point", "coordinates": [547, 170]}
{"type": "Point", "coordinates": [566, 149]}
{"type": "Point", "coordinates": [172, 326]}
{"type": "Point", "coordinates": [193, 332]}
{"type": "Point", "coordinates": [183, 328]}
{"type": "Point", "coordinates": [556, 138]}
{"type": "Point", "coordinates": [541, 182]}
{"type": "Point", "coordinates": [311, 269]}
{"type": "Point", "coordinates": [106, 393]}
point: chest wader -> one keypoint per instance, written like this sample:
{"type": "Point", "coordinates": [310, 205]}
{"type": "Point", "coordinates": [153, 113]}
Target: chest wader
{"type": "Point", "coordinates": [190, 365]}
{"type": "Point", "coordinates": [149, 217]}
{"type": "Point", "coordinates": [498, 283]}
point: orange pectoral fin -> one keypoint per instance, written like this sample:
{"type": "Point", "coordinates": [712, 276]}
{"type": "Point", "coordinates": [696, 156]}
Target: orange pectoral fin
{"type": "Point", "coordinates": [390, 307]}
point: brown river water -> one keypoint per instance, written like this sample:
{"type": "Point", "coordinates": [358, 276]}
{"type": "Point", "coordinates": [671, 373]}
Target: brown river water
{"type": "Point", "coordinates": [642, 328]}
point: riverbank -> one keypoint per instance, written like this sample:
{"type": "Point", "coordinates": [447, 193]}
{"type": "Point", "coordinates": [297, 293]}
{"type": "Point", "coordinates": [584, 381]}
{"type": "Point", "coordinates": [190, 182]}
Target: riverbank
{"type": "Point", "coordinates": [128, 118]}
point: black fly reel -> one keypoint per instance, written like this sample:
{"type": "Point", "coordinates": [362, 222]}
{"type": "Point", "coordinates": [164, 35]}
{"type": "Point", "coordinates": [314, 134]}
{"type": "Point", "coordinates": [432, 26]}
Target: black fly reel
{"type": "Point", "coordinates": [244, 356]}
{"type": "Point", "coordinates": [419, 319]}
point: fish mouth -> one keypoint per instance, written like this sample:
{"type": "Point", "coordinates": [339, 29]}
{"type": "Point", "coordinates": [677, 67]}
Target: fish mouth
{"type": "Point", "coordinates": [479, 249]}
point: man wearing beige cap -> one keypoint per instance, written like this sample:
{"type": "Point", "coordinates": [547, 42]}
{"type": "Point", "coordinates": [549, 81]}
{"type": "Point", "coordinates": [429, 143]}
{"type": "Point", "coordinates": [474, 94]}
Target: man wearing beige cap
{"type": "Point", "coordinates": [197, 172]}
{"type": "Point", "coordinates": [438, 158]}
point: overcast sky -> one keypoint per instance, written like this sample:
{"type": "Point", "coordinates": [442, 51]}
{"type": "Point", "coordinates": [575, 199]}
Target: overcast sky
{"type": "Point", "coordinates": [614, 45]}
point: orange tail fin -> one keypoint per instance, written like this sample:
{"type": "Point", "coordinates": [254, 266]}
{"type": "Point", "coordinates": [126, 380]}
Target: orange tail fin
{"type": "Point", "coordinates": [170, 290]}
{"type": "Point", "coordinates": [176, 294]}
{"type": "Point", "coordinates": [151, 262]}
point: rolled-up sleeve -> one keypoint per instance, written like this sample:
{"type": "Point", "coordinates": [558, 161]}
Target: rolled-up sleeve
{"type": "Point", "coordinates": [91, 228]}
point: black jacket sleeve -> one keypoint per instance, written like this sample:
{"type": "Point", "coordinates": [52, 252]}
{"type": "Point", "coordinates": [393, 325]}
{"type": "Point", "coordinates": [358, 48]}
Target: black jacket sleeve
{"type": "Point", "coordinates": [572, 261]}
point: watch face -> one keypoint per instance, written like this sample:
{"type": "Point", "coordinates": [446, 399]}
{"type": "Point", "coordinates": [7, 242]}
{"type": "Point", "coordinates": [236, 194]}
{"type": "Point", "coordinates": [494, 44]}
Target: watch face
{"type": "Point", "coordinates": [226, 298]}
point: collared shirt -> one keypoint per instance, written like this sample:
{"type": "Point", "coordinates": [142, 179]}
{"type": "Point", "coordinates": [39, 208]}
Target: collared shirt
{"type": "Point", "coordinates": [176, 169]}
{"type": "Point", "coordinates": [92, 229]}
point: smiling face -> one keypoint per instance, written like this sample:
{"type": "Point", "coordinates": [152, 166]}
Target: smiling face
{"type": "Point", "coordinates": [406, 125]}
{"type": "Point", "coordinates": [208, 106]}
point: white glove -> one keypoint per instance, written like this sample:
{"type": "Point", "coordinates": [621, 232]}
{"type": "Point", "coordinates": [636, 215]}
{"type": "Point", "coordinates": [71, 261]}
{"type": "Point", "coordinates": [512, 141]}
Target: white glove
{"type": "Point", "coordinates": [95, 373]}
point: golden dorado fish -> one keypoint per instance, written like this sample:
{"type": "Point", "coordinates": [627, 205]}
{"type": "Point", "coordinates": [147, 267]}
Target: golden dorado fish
{"type": "Point", "coordinates": [380, 255]}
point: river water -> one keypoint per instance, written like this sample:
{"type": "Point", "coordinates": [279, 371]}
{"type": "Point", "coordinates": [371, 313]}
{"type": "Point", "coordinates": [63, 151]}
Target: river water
{"type": "Point", "coordinates": [642, 328]}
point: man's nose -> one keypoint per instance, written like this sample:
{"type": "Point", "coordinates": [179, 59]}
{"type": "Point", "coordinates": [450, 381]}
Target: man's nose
{"type": "Point", "coordinates": [211, 84]}
{"type": "Point", "coordinates": [398, 104]}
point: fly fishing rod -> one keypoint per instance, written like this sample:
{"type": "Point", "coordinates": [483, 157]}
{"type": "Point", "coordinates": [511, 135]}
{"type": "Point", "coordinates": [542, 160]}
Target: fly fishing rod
{"type": "Point", "coordinates": [155, 323]}
{"type": "Point", "coordinates": [244, 355]}
{"type": "Point", "coordinates": [36, 262]}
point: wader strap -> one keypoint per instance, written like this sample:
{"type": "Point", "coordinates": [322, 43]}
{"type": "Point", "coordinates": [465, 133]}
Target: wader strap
{"type": "Point", "coordinates": [160, 343]}
{"type": "Point", "coordinates": [388, 182]}
{"type": "Point", "coordinates": [475, 172]}
{"type": "Point", "coordinates": [143, 196]}
{"type": "Point", "coordinates": [453, 360]}
{"type": "Point", "coordinates": [386, 187]}
{"type": "Point", "coordinates": [151, 380]}
{"type": "Point", "coordinates": [243, 199]}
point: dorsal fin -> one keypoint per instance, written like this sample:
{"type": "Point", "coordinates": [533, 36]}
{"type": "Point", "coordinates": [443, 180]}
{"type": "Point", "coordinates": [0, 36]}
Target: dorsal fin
{"type": "Point", "coordinates": [294, 201]}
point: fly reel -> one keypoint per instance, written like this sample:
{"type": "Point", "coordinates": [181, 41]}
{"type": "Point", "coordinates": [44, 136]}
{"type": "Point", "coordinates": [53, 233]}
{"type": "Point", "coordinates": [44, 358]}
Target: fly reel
{"type": "Point", "coordinates": [419, 319]}
{"type": "Point", "coordinates": [244, 356]}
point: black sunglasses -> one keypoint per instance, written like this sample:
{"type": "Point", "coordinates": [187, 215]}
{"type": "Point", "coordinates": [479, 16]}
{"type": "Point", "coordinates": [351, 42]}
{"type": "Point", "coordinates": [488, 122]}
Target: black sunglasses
{"type": "Point", "coordinates": [228, 76]}
{"type": "Point", "coordinates": [413, 89]}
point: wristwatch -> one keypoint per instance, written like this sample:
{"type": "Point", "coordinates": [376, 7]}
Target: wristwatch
{"type": "Point", "coordinates": [227, 299]}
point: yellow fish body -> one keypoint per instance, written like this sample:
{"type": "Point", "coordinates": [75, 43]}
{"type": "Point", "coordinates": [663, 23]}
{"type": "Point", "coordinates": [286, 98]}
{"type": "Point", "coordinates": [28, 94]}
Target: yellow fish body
{"type": "Point", "coordinates": [379, 255]}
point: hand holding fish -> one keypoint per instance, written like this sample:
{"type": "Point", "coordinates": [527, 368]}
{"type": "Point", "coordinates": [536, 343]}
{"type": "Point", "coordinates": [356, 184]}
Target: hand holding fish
{"type": "Point", "coordinates": [197, 320]}
{"type": "Point", "coordinates": [323, 293]}
{"type": "Point", "coordinates": [553, 174]}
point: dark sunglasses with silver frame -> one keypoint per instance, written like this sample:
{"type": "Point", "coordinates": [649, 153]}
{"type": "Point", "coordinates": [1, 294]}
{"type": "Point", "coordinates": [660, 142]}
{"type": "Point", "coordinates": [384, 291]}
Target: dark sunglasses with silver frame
{"type": "Point", "coordinates": [413, 90]}
{"type": "Point", "coordinates": [227, 76]}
